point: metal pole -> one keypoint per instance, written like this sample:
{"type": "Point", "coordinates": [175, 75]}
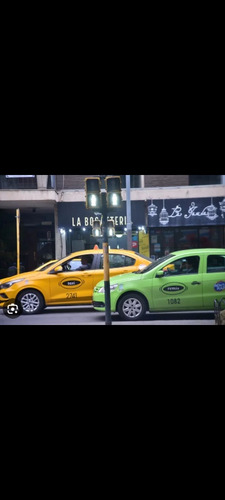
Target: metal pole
{"type": "Point", "coordinates": [18, 239]}
{"type": "Point", "coordinates": [129, 222]}
{"type": "Point", "coordinates": [108, 320]}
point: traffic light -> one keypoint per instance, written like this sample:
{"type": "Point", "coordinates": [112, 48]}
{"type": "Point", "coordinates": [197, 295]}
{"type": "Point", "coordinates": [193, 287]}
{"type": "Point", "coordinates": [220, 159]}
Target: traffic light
{"type": "Point", "coordinates": [113, 192]}
{"type": "Point", "coordinates": [97, 229]}
{"type": "Point", "coordinates": [111, 228]}
{"type": "Point", "coordinates": [93, 192]}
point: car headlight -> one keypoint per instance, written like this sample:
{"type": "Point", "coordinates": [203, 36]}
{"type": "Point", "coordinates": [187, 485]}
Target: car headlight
{"type": "Point", "coordinates": [113, 287]}
{"type": "Point", "coordinates": [10, 283]}
{"type": "Point", "coordinates": [102, 288]}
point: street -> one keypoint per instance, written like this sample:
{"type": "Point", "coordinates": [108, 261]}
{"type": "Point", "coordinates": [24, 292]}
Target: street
{"type": "Point", "coordinates": [86, 315]}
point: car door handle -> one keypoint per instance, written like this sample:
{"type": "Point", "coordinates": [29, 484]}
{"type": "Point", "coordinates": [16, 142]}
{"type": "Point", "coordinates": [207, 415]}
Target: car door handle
{"type": "Point", "coordinates": [196, 283]}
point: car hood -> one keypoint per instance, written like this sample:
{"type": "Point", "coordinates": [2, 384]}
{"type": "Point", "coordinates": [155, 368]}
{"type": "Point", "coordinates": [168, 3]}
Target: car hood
{"type": "Point", "coordinates": [28, 275]}
{"type": "Point", "coordinates": [121, 278]}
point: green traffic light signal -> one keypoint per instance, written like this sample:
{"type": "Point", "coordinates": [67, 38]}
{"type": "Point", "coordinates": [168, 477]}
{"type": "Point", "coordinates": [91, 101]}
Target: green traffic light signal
{"type": "Point", "coordinates": [113, 190]}
{"type": "Point", "coordinates": [93, 193]}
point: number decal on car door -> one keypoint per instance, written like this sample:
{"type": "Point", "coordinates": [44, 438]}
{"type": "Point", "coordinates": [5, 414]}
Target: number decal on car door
{"type": "Point", "coordinates": [174, 301]}
{"type": "Point", "coordinates": [71, 296]}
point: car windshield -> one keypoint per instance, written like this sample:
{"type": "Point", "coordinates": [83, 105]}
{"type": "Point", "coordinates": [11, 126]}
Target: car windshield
{"type": "Point", "coordinates": [155, 264]}
{"type": "Point", "coordinates": [46, 266]}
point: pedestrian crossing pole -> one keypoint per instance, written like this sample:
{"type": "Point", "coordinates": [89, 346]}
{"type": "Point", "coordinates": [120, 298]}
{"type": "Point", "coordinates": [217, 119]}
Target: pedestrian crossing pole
{"type": "Point", "coordinates": [18, 239]}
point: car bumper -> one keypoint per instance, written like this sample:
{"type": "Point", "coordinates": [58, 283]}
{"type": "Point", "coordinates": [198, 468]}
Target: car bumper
{"type": "Point", "coordinates": [4, 299]}
{"type": "Point", "coordinates": [6, 296]}
{"type": "Point", "coordinates": [98, 301]}
{"type": "Point", "coordinates": [98, 305]}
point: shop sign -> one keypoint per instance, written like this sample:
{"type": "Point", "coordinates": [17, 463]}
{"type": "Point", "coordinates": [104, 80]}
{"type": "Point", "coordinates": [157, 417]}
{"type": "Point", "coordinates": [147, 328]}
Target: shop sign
{"type": "Point", "coordinates": [75, 214]}
{"type": "Point", "coordinates": [191, 212]}
{"type": "Point", "coordinates": [89, 221]}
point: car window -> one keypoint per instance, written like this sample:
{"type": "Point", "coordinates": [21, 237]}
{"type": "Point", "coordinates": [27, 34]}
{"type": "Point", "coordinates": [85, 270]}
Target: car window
{"type": "Point", "coordinates": [116, 260]}
{"type": "Point", "coordinates": [74, 264]}
{"type": "Point", "coordinates": [216, 264]}
{"type": "Point", "coordinates": [155, 264]}
{"type": "Point", "coordinates": [188, 265]}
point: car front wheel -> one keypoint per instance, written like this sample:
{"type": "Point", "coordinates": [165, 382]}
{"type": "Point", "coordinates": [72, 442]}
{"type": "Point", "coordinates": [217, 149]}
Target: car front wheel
{"type": "Point", "coordinates": [132, 307]}
{"type": "Point", "coordinates": [30, 302]}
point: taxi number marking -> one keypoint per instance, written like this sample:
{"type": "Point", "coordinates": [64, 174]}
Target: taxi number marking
{"type": "Point", "coordinates": [71, 295]}
{"type": "Point", "coordinates": [174, 301]}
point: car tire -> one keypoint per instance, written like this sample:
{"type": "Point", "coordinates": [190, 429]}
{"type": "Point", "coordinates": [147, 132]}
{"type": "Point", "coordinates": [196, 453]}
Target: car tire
{"type": "Point", "coordinates": [132, 307]}
{"type": "Point", "coordinates": [30, 302]}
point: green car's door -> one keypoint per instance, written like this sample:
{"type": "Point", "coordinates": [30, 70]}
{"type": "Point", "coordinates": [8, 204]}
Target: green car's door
{"type": "Point", "coordinates": [180, 288]}
{"type": "Point", "coordinates": [214, 279]}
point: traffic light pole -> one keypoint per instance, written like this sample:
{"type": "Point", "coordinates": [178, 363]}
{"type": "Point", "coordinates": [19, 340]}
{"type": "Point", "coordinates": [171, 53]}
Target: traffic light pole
{"type": "Point", "coordinates": [108, 319]}
{"type": "Point", "coordinates": [129, 222]}
{"type": "Point", "coordinates": [108, 198]}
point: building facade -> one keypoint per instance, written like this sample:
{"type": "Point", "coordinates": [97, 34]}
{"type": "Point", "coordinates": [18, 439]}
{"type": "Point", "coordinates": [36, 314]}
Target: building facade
{"type": "Point", "coordinates": [168, 212]}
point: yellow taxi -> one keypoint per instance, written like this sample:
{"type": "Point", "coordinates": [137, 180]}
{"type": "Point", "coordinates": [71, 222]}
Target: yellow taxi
{"type": "Point", "coordinates": [68, 281]}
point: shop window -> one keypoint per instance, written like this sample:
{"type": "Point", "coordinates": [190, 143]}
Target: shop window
{"type": "Point", "coordinates": [186, 238]}
{"type": "Point", "coordinates": [210, 237]}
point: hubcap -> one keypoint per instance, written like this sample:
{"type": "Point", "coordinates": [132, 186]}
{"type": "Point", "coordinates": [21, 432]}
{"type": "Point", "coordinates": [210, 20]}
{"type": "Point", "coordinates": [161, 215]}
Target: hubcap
{"type": "Point", "coordinates": [30, 302]}
{"type": "Point", "coordinates": [132, 308]}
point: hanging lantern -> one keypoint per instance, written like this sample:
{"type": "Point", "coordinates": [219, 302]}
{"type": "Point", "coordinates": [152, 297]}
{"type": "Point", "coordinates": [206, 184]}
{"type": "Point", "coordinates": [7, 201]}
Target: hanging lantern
{"type": "Point", "coordinates": [211, 211]}
{"type": "Point", "coordinates": [222, 206]}
{"type": "Point", "coordinates": [152, 210]}
{"type": "Point", "coordinates": [164, 216]}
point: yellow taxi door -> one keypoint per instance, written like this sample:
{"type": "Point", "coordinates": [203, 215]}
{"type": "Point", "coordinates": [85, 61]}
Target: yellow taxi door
{"type": "Point", "coordinates": [71, 287]}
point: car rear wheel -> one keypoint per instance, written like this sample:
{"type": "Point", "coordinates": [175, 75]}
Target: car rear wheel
{"type": "Point", "coordinates": [132, 307]}
{"type": "Point", "coordinates": [30, 302]}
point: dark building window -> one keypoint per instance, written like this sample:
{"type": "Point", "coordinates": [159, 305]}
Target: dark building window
{"type": "Point", "coordinates": [18, 182]}
{"type": "Point", "coordinates": [135, 181]}
{"type": "Point", "coordinates": [198, 180]}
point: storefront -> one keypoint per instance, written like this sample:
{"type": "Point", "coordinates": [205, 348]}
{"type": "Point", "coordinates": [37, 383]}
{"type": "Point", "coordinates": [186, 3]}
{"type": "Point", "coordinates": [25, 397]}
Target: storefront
{"type": "Point", "coordinates": [158, 227]}
{"type": "Point", "coordinates": [37, 238]}
{"type": "Point", "coordinates": [76, 226]}
{"type": "Point", "coordinates": [185, 223]}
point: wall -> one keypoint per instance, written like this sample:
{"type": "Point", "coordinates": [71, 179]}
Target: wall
{"type": "Point", "coordinates": [77, 181]}
{"type": "Point", "coordinates": [166, 180]}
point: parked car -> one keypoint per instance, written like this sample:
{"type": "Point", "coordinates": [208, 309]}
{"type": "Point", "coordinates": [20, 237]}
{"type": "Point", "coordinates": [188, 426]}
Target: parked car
{"type": "Point", "coordinates": [187, 280]}
{"type": "Point", "coordinates": [62, 283]}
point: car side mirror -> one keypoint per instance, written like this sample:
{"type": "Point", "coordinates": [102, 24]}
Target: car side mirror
{"type": "Point", "coordinates": [58, 269]}
{"type": "Point", "coordinates": [160, 274]}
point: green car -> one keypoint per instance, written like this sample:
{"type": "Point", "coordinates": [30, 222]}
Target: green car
{"type": "Point", "coordinates": [188, 280]}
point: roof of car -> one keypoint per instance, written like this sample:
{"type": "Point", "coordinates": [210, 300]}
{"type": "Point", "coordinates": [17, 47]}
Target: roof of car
{"type": "Point", "coordinates": [100, 250]}
{"type": "Point", "coordinates": [198, 250]}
